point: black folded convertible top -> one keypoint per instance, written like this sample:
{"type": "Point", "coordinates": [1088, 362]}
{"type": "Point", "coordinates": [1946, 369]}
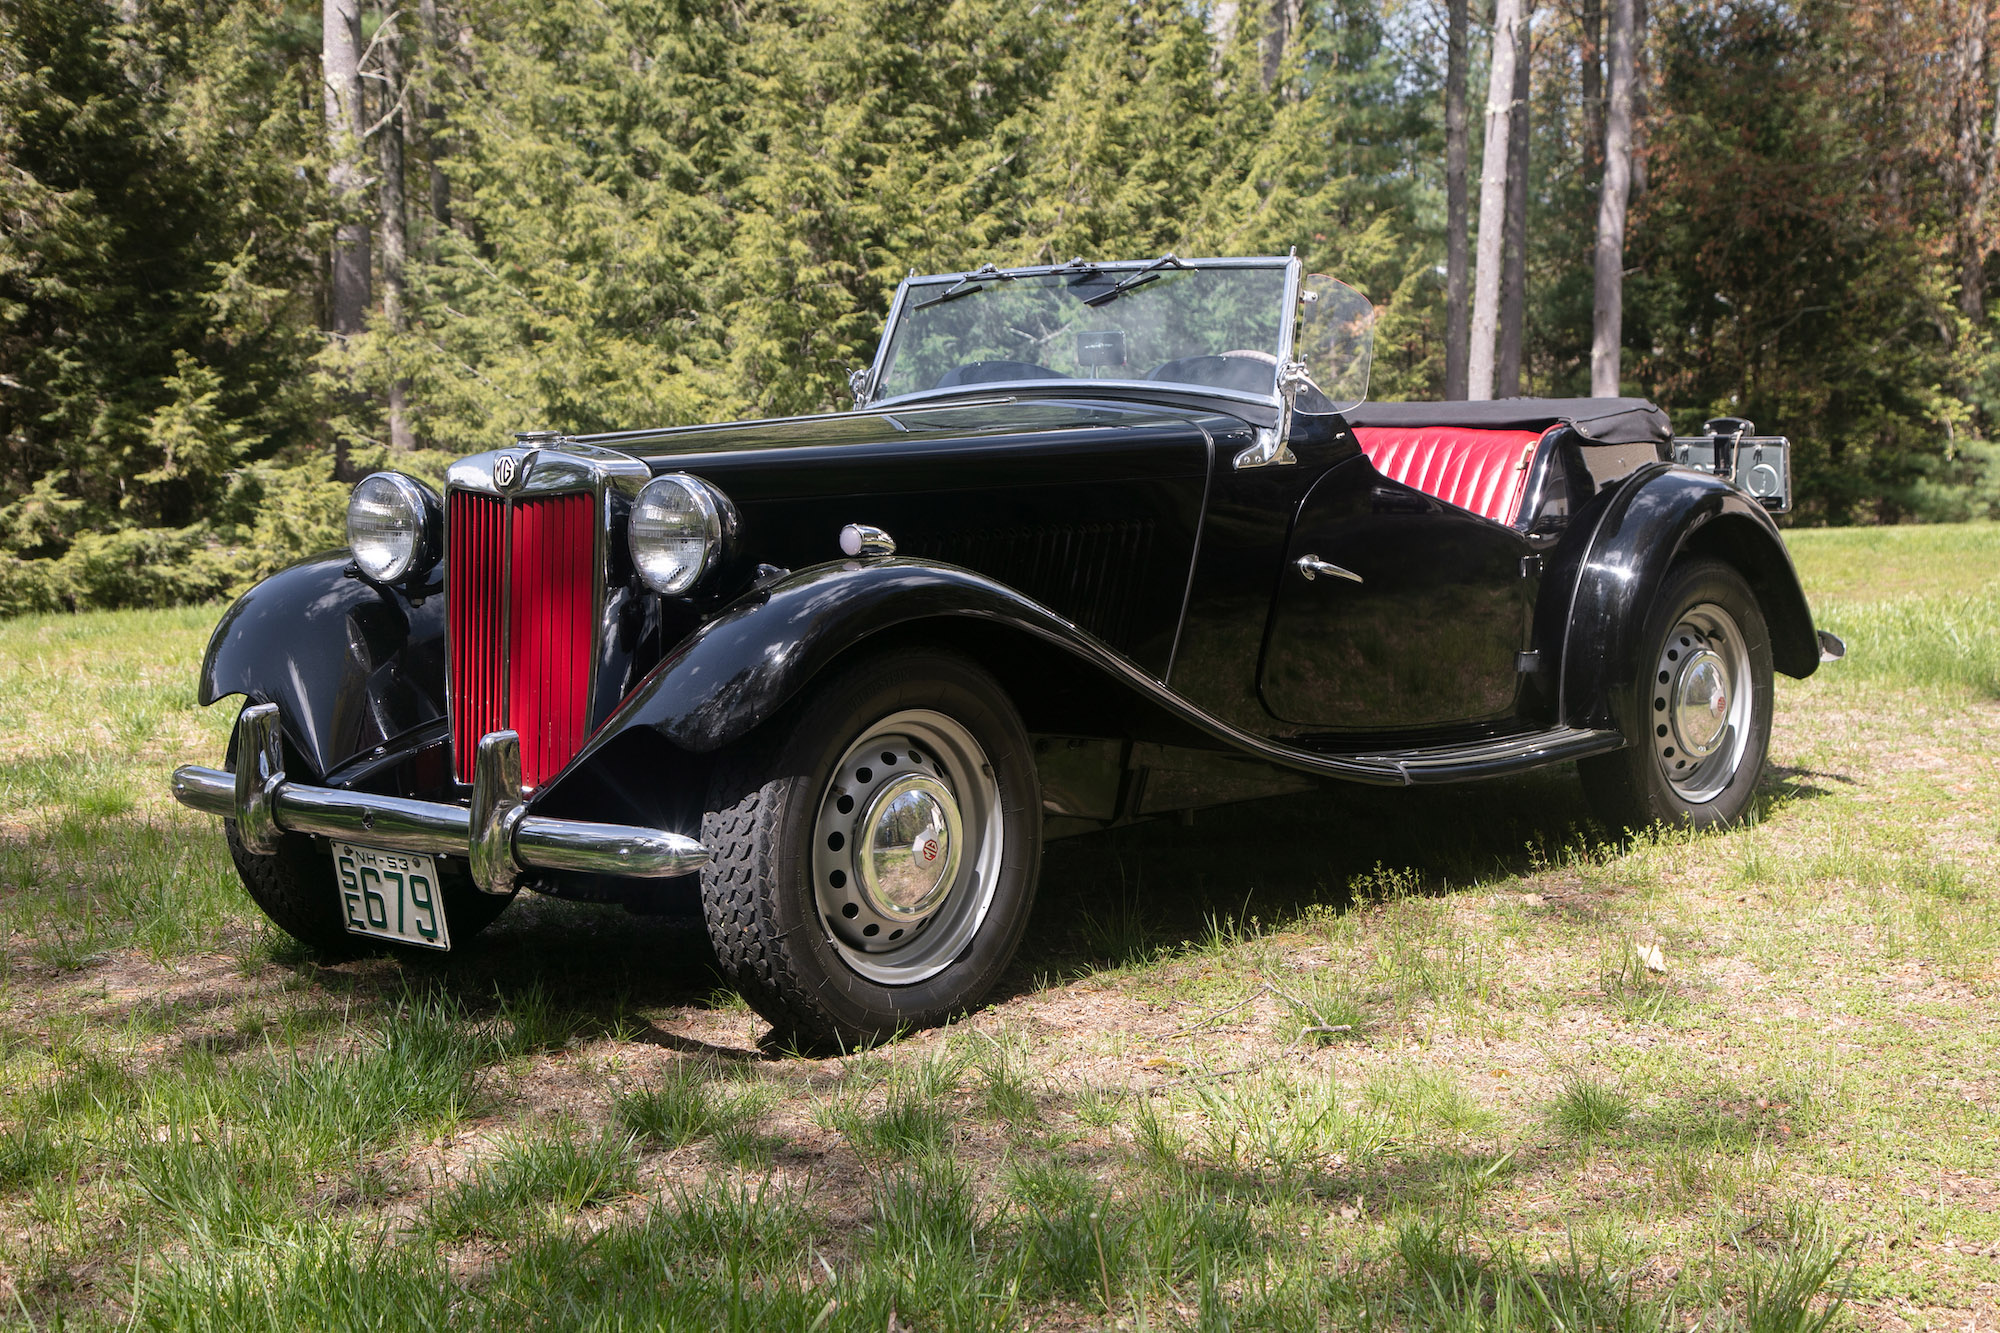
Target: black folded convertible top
{"type": "Point", "coordinates": [1603, 420]}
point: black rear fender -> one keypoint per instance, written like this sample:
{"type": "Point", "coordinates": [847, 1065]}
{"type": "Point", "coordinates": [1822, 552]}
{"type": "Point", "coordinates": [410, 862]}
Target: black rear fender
{"type": "Point", "coordinates": [1657, 517]}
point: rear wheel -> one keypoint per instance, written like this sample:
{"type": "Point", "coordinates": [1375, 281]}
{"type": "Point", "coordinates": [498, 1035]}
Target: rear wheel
{"type": "Point", "coordinates": [1701, 709]}
{"type": "Point", "coordinates": [295, 887]}
{"type": "Point", "coordinates": [876, 851]}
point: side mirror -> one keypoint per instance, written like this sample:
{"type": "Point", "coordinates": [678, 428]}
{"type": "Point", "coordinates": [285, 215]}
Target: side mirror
{"type": "Point", "coordinates": [859, 383]}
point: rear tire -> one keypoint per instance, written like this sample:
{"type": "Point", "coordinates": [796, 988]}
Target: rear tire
{"type": "Point", "coordinates": [876, 851]}
{"type": "Point", "coordinates": [1699, 715]}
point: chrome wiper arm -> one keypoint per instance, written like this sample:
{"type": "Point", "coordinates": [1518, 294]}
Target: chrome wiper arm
{"type": "Point", "coordinates": [1146, 274]}
{"type": "Point", "coordinates": [966, 285]}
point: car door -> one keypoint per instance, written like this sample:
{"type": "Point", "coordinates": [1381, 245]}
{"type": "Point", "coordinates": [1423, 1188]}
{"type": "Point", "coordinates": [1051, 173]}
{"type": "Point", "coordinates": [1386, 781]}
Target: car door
{"type": "Point", "coordinates": [1408, 614]}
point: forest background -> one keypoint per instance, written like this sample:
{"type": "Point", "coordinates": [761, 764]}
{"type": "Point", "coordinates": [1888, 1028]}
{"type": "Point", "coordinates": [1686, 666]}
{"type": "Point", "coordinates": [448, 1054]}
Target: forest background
{"type": "Point", "coordinates": [591, 214]}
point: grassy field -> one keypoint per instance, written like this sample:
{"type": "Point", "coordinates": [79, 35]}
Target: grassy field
{"type": "Point", "coordinates": [1429, 1059]}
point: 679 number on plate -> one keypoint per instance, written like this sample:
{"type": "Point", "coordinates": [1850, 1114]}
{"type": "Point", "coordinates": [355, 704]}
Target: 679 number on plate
{"type": "Point", "coordinates": [390, 895]}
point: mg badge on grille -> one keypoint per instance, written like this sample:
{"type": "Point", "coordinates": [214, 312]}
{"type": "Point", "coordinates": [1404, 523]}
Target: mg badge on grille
{"type": "Point", "coordinates": [510, 470]}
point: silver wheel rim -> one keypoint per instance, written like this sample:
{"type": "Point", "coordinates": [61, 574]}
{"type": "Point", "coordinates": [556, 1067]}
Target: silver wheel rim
{"type": "Point", "coordinates": [1703, 703]}
{"type": "Point", "coordinates": [907, 847]}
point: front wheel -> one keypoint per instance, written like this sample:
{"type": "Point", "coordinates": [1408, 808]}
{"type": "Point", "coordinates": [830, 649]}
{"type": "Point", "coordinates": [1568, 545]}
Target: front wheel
{"type": "Point", "coordinates": [876, 851]}
{"type": "Point", "coordinates": [1700, 712]}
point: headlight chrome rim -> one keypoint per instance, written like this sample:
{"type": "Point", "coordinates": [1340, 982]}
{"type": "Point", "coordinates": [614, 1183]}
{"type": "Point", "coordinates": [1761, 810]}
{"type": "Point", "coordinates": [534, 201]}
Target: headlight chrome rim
{"type": "Point", "coordinates": [709, 520]}
{"type": "Point", "coordinates": [397, 551]}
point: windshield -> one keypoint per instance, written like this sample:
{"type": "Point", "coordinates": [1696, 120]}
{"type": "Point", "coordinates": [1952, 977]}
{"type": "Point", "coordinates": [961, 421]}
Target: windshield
{"type": "Point", "coordinates": [1214, 327]}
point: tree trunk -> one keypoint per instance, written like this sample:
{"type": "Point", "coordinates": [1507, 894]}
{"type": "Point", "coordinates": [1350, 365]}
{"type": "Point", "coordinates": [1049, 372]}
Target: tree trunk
{"type": "Point", "coordinates": [340, 60]}
{"type": "Point", "coordinates": [1457, 259]}
{"type": "Point", "coordinates": [1636, 152]}
{"type": "Point", "coordinates": [1975, 269]}
{"type": "Point", "coordinates": [425, 107]}
{"type": "Point", "coordinates": [395, 240]}
{"type": "Point", "coordinates": [1508, 30]}
{"type": "Point", "coordinates": [1590, 54]}
{"type": "Point", "coordinates": [1514, 273]}
{"type": "Point", "coordinates": [1608, 323]}
{"type": "Point", "coordinates": [1973, 159]}
{"type": "Point", "coordinates": [1281, 19]}
{"type": "Point", "coordinates": [1222, 28]}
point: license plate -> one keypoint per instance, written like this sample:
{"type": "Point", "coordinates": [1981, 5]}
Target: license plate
{"type": "Point", "coordinates": [390, 895]}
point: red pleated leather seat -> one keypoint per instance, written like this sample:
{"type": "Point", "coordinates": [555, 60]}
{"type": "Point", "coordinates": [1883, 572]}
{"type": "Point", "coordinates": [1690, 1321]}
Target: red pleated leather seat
{"type": "Point", "coordinates": [1485, 471]}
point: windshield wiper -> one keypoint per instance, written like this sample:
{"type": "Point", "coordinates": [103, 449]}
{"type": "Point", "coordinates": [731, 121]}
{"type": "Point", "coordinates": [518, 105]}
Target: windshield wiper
{"type": "Point", "coordinates": [966, 286]}
{"type": "Point", "coordinates": [1144, 275]}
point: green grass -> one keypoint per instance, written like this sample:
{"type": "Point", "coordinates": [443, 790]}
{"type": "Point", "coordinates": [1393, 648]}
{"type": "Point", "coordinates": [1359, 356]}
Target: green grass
{"type": "Point", "coordinates": [560, 1174]}
{"type": "Point", "coordinates": [1916, 605]}
{"type": "Point", "coordinates": [1399, 1062]}
{"type": "Point", "coordinates": [1587, 1108]}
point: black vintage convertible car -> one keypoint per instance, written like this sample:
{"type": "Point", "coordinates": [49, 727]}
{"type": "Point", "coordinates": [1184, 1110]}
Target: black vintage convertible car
{"type": "Point", "coordinates": [1097, 542]}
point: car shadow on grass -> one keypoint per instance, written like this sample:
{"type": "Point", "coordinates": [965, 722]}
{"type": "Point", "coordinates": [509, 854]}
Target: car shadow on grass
{"type": "Point", "coordinates": [547, 970]}
{"type": "Point", "coordinates": [1120, 896]}
{"type": "Point", "coordinates": [1117, 897]}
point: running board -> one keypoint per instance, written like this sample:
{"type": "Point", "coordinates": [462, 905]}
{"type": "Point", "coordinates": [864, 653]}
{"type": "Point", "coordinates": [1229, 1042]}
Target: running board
{"type": "Point", "coordinates": [1490, 758]}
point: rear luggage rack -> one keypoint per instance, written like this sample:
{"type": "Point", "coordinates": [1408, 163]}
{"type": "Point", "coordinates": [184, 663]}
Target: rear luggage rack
{"type": "Point", "coordinates": [1758, 465]}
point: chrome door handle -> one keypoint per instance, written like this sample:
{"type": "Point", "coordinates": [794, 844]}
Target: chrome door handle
{"type": "Point", "coordinates": [1312, 567]}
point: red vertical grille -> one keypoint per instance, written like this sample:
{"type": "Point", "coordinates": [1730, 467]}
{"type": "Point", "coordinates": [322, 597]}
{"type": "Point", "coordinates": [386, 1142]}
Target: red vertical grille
{"type": "Point", "coordinates": [522, 598]}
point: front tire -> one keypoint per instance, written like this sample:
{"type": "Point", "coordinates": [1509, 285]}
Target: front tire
{"type": "Point", "coordinates": [1699, 715]}
{"type": "Point", "coordinates": [876, 851]}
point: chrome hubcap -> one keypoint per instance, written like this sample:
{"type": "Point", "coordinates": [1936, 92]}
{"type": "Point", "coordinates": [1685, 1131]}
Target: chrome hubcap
{"type": "Point", "coordinates": [907, 847]}
{"type": "Point", "coordinates": [1701, 703]}
{"type": "Point", "coordinates": [908, 851]}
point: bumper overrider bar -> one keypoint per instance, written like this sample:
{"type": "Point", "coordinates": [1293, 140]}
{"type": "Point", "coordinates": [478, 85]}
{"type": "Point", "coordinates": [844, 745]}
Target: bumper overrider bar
{"type": "Point", "coordinates": [496, 835]}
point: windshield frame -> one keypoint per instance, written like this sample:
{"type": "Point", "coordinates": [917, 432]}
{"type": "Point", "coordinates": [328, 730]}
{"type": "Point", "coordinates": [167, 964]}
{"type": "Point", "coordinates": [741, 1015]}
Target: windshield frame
{"type": "Point", "coordinates": [1294, 270]}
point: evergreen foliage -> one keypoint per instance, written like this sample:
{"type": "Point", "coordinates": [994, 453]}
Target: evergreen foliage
{"type": "Point", "coordinates": [647, 212]}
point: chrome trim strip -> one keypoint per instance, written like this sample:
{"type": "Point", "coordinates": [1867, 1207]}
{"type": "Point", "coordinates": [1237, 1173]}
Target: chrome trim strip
{"type": "Point", "coordinates": [1288, 312]}
{"type": "Point", "coordinates": [510, 841]}
{"type": "Point", "coordinates": [1478, 759]}
{"type": "Point", "coordinates": [1030, 390]}
{"type": "Point", "coordinates": [1194, 557]}
{"type": "Point", "coordinates": [874, 379]}
{"type": "Point", "coordinates": [1115, 266]}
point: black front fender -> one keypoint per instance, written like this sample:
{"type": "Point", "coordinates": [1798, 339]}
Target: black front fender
{"type": "Point", "coordinates": [740, 668]}
{"type": "Point", "coordinates": [350, 664]}
{"type": "Point", "coordinates": [1658, 516]}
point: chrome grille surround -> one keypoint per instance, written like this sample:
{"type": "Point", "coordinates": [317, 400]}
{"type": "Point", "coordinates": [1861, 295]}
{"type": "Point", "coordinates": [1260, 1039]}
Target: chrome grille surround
{"type": "Point", "coordinates": [542, 467]}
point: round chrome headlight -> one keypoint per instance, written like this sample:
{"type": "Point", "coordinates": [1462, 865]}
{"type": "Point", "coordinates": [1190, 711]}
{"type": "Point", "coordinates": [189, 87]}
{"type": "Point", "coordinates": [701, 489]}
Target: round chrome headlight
{"type": "Point", "coordinates": [392, 525]}
{"type": "Point", "coordinates": [676, 532]}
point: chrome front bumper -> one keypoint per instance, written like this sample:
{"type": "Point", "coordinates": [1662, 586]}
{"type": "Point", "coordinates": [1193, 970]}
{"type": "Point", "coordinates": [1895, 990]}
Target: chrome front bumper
{"type": "Point", "coordinates": [500, 840]}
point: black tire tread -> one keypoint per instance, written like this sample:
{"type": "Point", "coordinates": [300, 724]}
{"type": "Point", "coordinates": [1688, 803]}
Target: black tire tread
{"type": "Point", "coordinates": [294, 888]}
{"type": "Point", "coordinates": [739, 888]}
